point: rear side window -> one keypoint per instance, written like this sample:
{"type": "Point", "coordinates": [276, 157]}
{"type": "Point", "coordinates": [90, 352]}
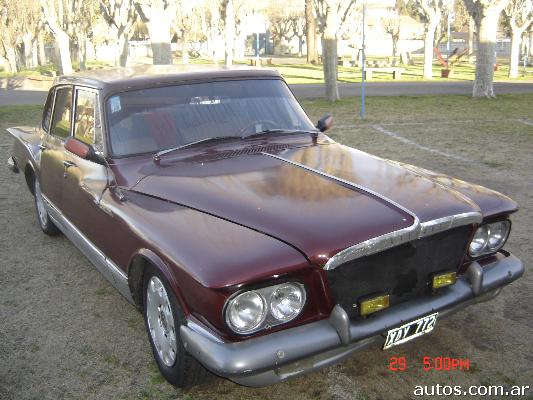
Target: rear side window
{"type": "Point", "coordinates": [47, 112]}
{"type": "Point", "coordinates": [62, 117]}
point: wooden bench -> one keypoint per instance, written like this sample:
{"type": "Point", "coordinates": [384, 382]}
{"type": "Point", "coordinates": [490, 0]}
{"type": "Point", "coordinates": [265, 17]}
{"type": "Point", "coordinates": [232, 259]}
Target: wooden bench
{"type": "Point", "coordinates": [395, 71]}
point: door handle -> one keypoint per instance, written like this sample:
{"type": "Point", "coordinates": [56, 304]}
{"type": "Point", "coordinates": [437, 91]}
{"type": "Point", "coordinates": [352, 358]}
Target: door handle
{"type": "Point", "coordinates": [42, 147]}
{"type": "Point", "coordinates": [67, 164]}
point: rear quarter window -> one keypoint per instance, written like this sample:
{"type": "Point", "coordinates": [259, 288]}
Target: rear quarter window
{"type": "Point", "coordinates": [47, 112]}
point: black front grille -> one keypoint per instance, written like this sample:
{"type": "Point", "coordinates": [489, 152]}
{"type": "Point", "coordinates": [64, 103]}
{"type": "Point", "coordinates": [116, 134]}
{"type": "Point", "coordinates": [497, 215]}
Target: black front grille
{"type": "Point", "coordinates": [404, 272]}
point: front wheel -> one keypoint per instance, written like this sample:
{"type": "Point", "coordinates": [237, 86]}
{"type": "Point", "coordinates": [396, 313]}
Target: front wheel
{"type": "Point", "coordinates": [43, 218]}
{"type": "Point", "coordinates": [163, 318]}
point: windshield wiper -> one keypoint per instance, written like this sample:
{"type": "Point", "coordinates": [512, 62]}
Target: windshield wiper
{"type": "Point", "coordinates": [279, 132]}
{"type": "Point", "coordinates": [157, 156]}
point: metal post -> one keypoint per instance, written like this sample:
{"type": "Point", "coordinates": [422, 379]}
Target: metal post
{"type": "Point", "coordinates": [257, 50]}
{"type": "Point", "coordinates": [363, 60]}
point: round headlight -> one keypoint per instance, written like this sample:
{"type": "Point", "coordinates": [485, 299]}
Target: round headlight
{"type": "Point", "coordinates": [286, 302]}
{"type": "Point", "coordinates": [498, 232]}
{"type": "Point", "coordinates": [479, 241]}
{"type": "Point", "coordinates": [246, 312]}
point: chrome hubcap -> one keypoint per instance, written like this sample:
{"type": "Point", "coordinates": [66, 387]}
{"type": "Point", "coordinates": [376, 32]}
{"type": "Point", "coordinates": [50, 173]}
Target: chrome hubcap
{"type": "Point", "coordinates": [43, 215]}
{"type": "Point", "coordinates": [161, 321]}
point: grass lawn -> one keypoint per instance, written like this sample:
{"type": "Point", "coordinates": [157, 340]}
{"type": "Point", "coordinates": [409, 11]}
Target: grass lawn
{"type": "Point", "coordinates": [309, 73]}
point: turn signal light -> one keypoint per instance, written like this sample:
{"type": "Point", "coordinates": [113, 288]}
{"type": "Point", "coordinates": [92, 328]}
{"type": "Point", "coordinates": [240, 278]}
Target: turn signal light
{"type": "Point", "coordinates": [373, 304]}
{"type": "Point", "coordinates": [441, 280]}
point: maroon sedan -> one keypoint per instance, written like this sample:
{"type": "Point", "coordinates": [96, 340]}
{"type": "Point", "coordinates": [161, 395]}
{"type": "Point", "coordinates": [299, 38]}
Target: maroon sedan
{"type": "Point", "coordinates": [255, 246]}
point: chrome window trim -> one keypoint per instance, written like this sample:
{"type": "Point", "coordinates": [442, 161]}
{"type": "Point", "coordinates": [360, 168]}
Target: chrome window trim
{"type": "Point", "coordinates": [107, 268]}
{"type": "Point", "coordinates": [392, 239]}
{"type": "Point", "coordinates": [56, 88]}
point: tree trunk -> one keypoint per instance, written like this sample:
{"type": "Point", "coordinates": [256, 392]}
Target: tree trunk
{"type": "Point", "coordinates": [395, 38]}
{"type": "Point", "coordinates": [42, 53]}
{"type": "Point", "coordinates": [121, 57]}
{"type": "Point", "coordinates": [514, 59]}
{"type": "Point", "coordinates": [159, 31]}
{"type": "Point", "coordinates": [28, 47]}
{"type": "Point", "coordinates": [300, 46]}
{"type": "Point", "coordinates": [471, 30]}
{"type": "Point", "coordinates": [229, 23]}
{"type": "Point", "coordinates": [82, 52]}
{"type": "Point", "coordinates": [63, 44]}
{"type": "Point", "coordinates": [531, 45]}
{"type": "Point", "coordinates": [329, 57]}
{"type": "Point", "coordinates": [429, 40]}
{"type": "Point", "coordinates": [185, 46]}
{"type": "Point", "coordinates": [34, 52]}
{"type": "Point", "coordinates": [11, 56]}
{"type": "Point", "coordinates": [486, 57]}
{"type": "Point", "coordinates": [310, 32]}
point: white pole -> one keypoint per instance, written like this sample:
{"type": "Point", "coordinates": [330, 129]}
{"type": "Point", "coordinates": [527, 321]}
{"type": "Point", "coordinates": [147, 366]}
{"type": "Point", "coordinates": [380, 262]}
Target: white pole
{"type": "Point", "coordinates": [363, 78]}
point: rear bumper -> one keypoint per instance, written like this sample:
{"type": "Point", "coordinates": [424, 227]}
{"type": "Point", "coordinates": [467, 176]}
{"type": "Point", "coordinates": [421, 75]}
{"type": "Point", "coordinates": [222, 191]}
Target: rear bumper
{"type": "Point", "coordinates": [272, 358]}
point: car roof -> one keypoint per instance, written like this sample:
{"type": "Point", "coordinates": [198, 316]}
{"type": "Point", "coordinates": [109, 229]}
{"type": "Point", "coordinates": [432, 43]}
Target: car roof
{"type": "Point", "coordinates": [111, 80]}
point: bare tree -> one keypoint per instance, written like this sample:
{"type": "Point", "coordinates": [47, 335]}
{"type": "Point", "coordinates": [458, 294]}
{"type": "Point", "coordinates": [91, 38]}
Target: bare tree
{"type": "Point", "coordinates": [331, 15]}
{"type": "Point", "coordinates": [486, 14]}
{"type": "Point", "coordinates": [281, 27]}
{"type": "Point", "coordinates": [298, 30]}
{"type": "Point", "coordinates": [429, 12]}
{"type": "Point", "coordinates": [310, 32]}
{"type": "Point", "coordinates": [121, 15]}
{"type": "Point", "coordinates": [182, 25]}
{"type": "Point", "coordinates": [158, 15]}
{"type": "Point", "coordinates": [245, 10]}
{"type": "Point", "coordinates": [58, 15]}
{"type": "Point", "coordinates": [9, 38]}
{"type": "Point", "coordinates": [392, 26]}
{"type": "Point", "coordinates": [227, 14]}
{"type": "Point", "coordinates": [519, 15]}
{"type": "Point", "coordinates": [208, 11]}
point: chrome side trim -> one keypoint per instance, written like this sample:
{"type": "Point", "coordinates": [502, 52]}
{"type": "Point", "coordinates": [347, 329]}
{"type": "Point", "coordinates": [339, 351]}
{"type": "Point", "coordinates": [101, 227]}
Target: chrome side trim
{"type": "Point", "coordinates": [203, 331]}
{"type": "Point", "coordinates": [375, 245]}
{"type": "Point", "coordinates": [106, 267]}
{"type": "Point", "coordinates": [453, 221]}
{"type": "Point", "coordinates": [380, 243]}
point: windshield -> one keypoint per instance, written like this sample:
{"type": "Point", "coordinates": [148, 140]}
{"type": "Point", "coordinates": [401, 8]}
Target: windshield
{"type": "Point", "coordinates": [155, 119]}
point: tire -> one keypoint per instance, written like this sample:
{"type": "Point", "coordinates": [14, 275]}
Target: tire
{"type": "Point", "coordinates": [162, 319]}
{"type": "Point", "coordinates": [43, 218]}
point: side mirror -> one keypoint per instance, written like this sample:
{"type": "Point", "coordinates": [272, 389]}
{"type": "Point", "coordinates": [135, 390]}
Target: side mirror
{"type": "Point", "coordinates": [325, 123]}
{"type": "Point", "coordinates": [82, 150]}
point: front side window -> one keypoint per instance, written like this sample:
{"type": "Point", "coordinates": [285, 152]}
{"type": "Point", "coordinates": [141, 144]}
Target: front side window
{"type": "Point", "coordinates": [87, 118]}
{"type": "Point", "coordinates": [154, 119]}
{"type": "Point", "coordinates": [62, 113]}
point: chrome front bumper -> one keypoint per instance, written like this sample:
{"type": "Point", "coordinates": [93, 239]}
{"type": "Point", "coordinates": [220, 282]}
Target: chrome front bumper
{"type": "Point", "coordinates": [275, 357]}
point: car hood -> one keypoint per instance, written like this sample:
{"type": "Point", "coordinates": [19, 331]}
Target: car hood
{"type": "Point", "coordinates": [319, 199]}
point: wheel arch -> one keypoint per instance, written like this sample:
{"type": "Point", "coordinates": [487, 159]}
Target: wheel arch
{"type": "Point", "coordinates": [137, 267]}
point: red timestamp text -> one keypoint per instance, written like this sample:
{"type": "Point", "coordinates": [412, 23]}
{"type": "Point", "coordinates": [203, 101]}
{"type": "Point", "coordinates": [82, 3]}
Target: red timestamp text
{"type": "Point", "coordinates": [432, 364]}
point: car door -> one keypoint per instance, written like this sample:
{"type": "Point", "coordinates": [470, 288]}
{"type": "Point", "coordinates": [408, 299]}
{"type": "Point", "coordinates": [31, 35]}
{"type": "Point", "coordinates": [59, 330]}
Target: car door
{"type": "Point", "coordinates": [85, 180]}
{"type": "Point", "coordinates": [53, 144]}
